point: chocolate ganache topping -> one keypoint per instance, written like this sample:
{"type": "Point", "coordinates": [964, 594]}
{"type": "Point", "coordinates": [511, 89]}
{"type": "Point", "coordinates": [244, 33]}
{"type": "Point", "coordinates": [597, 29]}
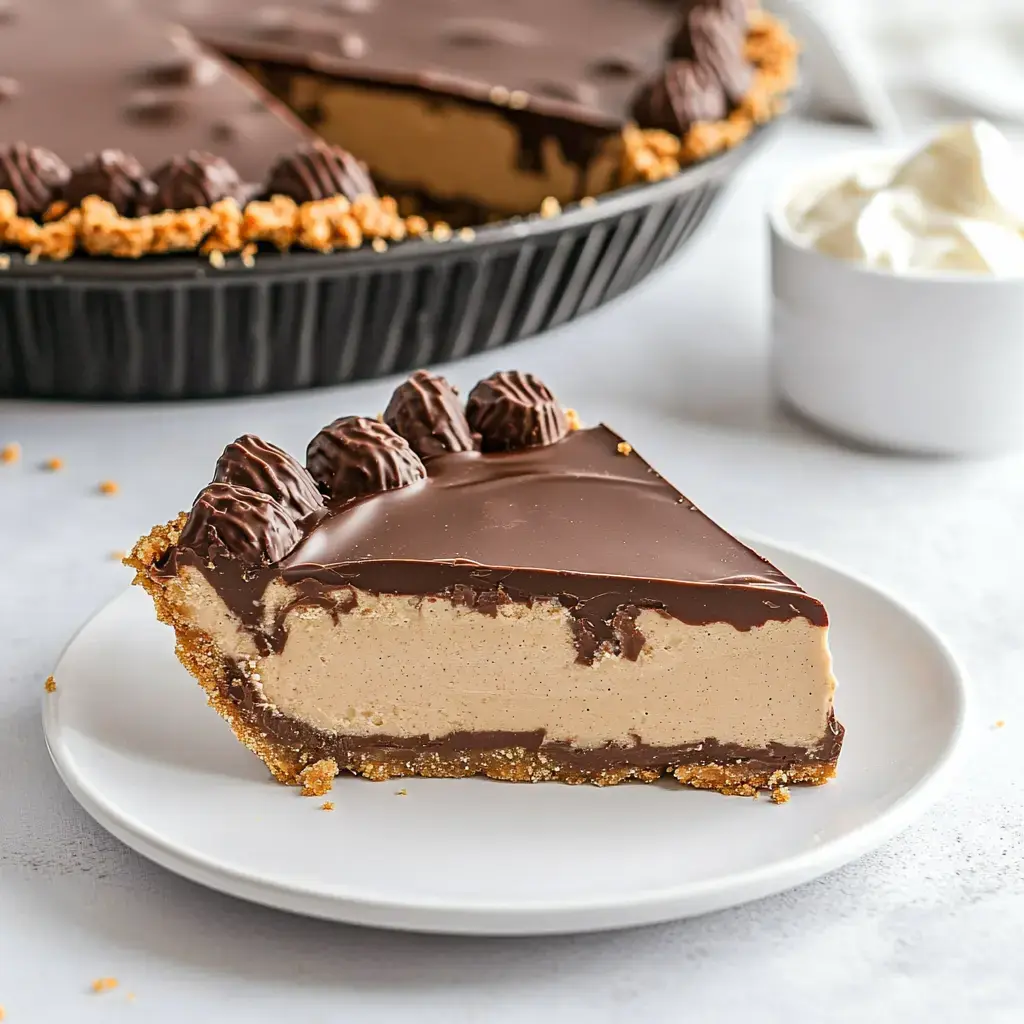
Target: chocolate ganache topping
{"type": "Point", "coordinates": [427, 412]}
{"type": "Point", "coordinates": [319, 171]}
{"type": "Point", "coordinates": [33, 175]}
{"type": "Point", "coordinates": [114, 176]}
{"type": "Point", "coordinates": [354, 456]}
{"type": "Point", "coordinates": [512, 410]}
{"type": "Point", "coordinates": [251, 462]}
{"type": "Point", "coordinates": [238, 523]}
{"type": "Point", "coordinates": [581, 520]}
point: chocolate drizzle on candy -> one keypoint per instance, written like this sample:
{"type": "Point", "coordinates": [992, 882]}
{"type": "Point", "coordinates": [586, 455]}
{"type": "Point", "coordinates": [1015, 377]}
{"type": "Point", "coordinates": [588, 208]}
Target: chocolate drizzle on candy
{"type": "Point", "coordinates": [238, 523]}
{"type": "Point", "coordinates": [252, 462]}
{"type": "Point", "coordinates": [33, 175]}
{"type": "Point", "coordinates": [114, 176]}
{"type": "Point", "coordinates": [319, 171]}
{"type": "Point", "coordinates": [427, 412]}
{"type": "Point", "coordinates": [512, 410]}
{"type": "Point", "coordinates": [354, 456]}
{"type": "Point", "coordinates": [196, 179]}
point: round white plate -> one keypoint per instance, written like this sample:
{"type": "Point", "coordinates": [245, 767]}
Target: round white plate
{"type": "Point", "coordinates": [133, 739]}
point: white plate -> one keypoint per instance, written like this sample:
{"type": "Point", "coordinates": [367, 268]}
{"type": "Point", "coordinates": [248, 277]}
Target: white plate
{"type": "Point", "coordinates": [130, 733]}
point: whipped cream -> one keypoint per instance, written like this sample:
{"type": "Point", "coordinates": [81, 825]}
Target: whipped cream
{"type": "Point", "coordinates": [957, 204]}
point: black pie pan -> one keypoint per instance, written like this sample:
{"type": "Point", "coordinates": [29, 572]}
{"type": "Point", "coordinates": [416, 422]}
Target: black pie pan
{"type": "Point", "coordinates": [170, 327]}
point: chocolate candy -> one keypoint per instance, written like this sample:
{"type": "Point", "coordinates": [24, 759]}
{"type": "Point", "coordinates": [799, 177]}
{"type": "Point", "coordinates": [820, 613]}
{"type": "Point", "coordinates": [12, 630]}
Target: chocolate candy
{"type": "Point", "coordinates": [114, 176]}
{"type": "Point", "coordinates": [354, 456]}
{"type": "Point", "coordinates": [319, 171]}
{"type": "Point", "coordinates": [512, 410]}
{"type": "Point", "coordinates": [196, 179]}
{"type": "Point", "coordinates": [714, 37]}
{"type": "Point", "coordinates": [33, 175]}
{"type": "Point", "coordinates": [683, 93]}
{"type": "Point", "coordinates": [251, 462]}
{"type": "Point", "coordinates": [238, 523]}
{"type": "Point", "coordinates": [427, 412]}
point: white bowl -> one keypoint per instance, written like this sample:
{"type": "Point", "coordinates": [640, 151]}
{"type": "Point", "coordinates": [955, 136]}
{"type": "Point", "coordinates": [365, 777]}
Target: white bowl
{"type": "Point", "coordinates": [929, 363]}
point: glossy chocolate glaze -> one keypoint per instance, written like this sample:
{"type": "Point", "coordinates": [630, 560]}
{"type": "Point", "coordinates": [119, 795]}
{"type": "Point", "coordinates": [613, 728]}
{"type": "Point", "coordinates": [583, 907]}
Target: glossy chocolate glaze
{"type": "Point", "coordinates": [576, 521]}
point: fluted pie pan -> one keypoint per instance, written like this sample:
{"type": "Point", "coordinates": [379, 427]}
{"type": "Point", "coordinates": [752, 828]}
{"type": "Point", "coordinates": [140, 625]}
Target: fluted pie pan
{"type": "Point", "coordinates": [179, 327]}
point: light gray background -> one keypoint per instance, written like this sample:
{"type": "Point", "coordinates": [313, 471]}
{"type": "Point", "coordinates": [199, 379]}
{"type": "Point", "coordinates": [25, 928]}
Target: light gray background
{"type": "Point", "coordinates": [929, 928]}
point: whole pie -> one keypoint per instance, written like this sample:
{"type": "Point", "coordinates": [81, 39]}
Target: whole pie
{"type": "Point", "coordinates": [146, 126]}
{"type": "Point", "coordinates": [488, 588]}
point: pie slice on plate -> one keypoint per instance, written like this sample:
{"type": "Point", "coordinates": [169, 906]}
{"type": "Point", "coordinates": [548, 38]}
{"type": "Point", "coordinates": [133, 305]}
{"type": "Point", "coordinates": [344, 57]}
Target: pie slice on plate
{"type": "Point", "coordinates": [488, 589]}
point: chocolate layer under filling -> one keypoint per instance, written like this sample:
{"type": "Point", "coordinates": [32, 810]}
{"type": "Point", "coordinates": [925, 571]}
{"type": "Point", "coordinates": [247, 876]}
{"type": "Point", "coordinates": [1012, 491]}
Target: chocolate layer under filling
{"type": "Point", "coordinates": [557, 610]}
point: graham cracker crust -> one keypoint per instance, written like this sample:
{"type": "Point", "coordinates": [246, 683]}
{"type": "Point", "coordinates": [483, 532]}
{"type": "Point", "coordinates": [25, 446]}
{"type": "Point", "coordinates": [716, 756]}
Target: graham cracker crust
{"type": "Point", "coordinates": [314, 772]}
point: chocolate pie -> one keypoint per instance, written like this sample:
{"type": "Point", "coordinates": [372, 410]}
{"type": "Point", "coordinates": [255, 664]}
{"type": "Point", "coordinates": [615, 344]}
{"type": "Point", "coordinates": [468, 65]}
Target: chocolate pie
{"type": "Point", "coordinates": [488, 589]}
{"type": "Point", "coordinates": [136, 128]}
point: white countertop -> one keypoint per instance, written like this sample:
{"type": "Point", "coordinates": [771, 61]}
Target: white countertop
{"type": "Point", "coordinates": [928, 928]}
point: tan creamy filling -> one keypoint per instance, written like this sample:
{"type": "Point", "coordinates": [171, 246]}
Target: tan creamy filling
{"type": "Point", "coordinates": [406, 666]}
{"type": "Point", "coordinates": [451, 150]}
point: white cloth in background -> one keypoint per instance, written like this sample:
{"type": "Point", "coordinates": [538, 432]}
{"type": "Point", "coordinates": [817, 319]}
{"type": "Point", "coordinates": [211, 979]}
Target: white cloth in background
{"type": "Point", "coordinates": [910, 61]}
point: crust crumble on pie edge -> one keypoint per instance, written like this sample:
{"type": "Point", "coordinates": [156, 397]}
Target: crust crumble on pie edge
{"type": "Point", "coordinates": [647, 155]}
{"type": "Point", "coordinates": [200, 657]}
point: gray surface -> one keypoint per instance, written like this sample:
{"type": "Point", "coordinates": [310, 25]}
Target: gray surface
{"type": "Point", "coordinates": [927, 928]}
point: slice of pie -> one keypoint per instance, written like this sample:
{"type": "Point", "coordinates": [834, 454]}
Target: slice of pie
{"type": "Point", "coordinates": [452, 591]}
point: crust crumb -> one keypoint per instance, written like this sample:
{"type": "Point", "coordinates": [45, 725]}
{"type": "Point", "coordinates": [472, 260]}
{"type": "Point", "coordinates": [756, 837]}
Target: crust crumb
{"type": "Point", "coordinates": [572, 418]}
{"type": "Point", "coordinates": [624, 448]}
{"type": "Point", "coordinates": [780, 795]}
{"type": "Point", "coordinates": [1000, 723]}
{"type": "Point", "coordinates": [327, 805]}
{"type": "Point", "coordinates": [54, 465]}
{"type": "Point", "coordinates": [104, 984]}
{"type": "Point", "coordinates": [10, 452]}
{"type": "Point", "coordinates": [317, 778]}
{"type": "Point", "coordinates": [550, 207]}
{"type": "Point", "coordinates": [108, 487]}
{"type": "Point", "coordinates": [50, 685]}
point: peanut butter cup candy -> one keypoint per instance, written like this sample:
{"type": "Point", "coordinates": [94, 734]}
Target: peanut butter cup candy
{"type": "Point", "coordinates": [354, 456]}
{"type": "Point", "coordinates": [512, 410]}
{"type": "Point", "coordinates": [196, 179]}
{"type": "Point", "coordinates": [252, 462]}
{"type": "Point", "coordinates": [714, 35]}
{"type": "Point", "coordinates": [239, 523]}
{"type": "Point", "coordinates": [33, 175]}
{"type": "Point", "coordinates": [683, 93]}
{"type": "Point", "coordinates": [427, 412]}
{"type": "Point", "coordinates": [319, 171]}
{"type": "Point", "coordinates": [114, 176]}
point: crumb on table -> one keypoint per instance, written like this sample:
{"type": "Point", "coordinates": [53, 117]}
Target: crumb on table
{"type": "Point", "coordinates": [108, 487]}
{"type": "Point", "coordinates": [1000, 723]}
{"type": "Point", "coordinates": [572, 419]}
{"type": "Point", "coordinates": [401, 792]}
{"type": "Point", "coordinates": [318, 778]}
{"type": "Point", "coordinates": [50, 685]}
{"type": "Point", "coordinates": [117, 555]}
{"type": "Point", "coordinates": [327, 805]}
{"type": "Point", "coordinates": [104, 984]}
{"type": "Point", "coordinates": [780, 795]}
{"type": "Point", "coordinates": [10, 452]}
{"type": "Point", "coordinates": [53, 465]}
{"type": "Point", "coordinates": [624, 448]}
